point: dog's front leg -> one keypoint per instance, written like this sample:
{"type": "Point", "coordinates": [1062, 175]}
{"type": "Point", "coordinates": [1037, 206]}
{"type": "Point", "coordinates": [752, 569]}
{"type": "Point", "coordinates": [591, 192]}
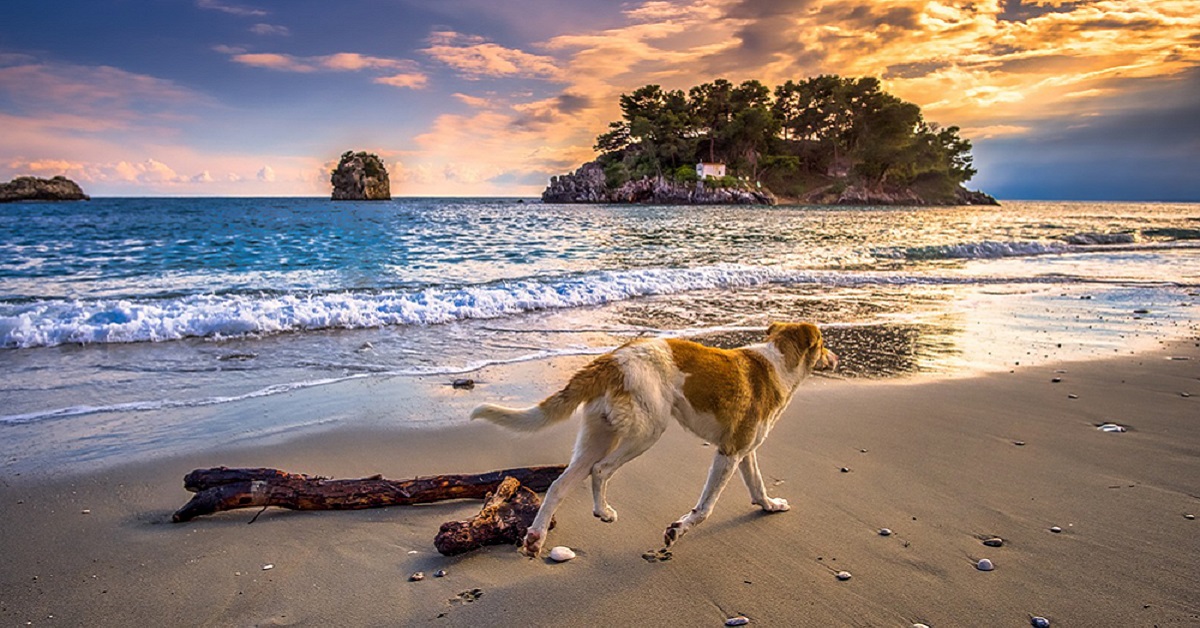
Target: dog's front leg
{"type": "Point", "coordinates": [758, 490]}
{"type": "Point", "coordinates": [718, 476]}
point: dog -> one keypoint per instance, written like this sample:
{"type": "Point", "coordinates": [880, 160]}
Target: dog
{"type": "Point", "coordinates": [728, 397]}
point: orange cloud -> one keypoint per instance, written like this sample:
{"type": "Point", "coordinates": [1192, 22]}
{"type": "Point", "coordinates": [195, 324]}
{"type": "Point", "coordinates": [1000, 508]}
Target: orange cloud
{"type": "Point", "coordinates": [401, 72]}
{"type": "Point", "coordinates": [475, 57]}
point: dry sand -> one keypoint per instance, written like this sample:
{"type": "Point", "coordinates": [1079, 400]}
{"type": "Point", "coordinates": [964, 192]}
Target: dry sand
{"type": "Point", "coordinates": [933, 460]}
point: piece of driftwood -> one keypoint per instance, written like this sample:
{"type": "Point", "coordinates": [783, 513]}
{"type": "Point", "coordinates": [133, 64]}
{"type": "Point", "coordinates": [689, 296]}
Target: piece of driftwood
{"type": "Point", "coordinates": [222, 488]}
{"type": "Point", "coordinates": [503, 520]}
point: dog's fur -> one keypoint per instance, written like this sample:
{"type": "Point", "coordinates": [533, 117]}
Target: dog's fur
{"type": "Point", "coordinates": [730, 398]}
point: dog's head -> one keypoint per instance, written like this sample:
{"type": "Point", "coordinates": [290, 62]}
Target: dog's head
{"type": "Point", "coordinates": [802, 346]}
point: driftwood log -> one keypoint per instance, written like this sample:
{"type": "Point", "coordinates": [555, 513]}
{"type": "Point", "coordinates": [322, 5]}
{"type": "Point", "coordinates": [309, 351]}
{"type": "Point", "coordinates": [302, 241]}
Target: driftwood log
{"type": "Point", "coordinates": [505, 517]}
{"type": "Point", "coordinates": [222, 488]}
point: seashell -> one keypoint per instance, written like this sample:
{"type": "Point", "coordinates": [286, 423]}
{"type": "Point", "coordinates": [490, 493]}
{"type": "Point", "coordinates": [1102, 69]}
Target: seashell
{"type": "Point", "coordinates": [984, 565]}
{"type": "Point", "coordinates": [1039, 622]}
{"type": "Point", "coordinates": [1055, 529]}
{"type": "Point", "coordinates": [1111, 427]}
{"type": "Point", "coordinates": [994, 542]}
{"type": "Point", "coordinates": [417, 577]}
{"type": "Point", "coordinates": [885, 532]}
{"type": "Point", "coordinates": [561, 554]}
{"type": "Point", "coordinates": [740, 620]}
{"type": "Point", "coordinates": [268, 567]}
{"type": "Point", "coordinates": [843, 575]}
{"type": "Point", "coordinates": [441, 573]}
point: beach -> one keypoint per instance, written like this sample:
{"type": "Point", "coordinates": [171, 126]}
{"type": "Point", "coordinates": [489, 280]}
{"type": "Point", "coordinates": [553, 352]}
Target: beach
{"type": "Point", "coordinates": [942, 462]}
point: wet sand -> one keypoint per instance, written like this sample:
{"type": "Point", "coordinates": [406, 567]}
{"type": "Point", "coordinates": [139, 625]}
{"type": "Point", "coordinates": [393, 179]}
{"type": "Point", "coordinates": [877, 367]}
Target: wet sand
{"type": "Point", "coordinates": [936, 460]}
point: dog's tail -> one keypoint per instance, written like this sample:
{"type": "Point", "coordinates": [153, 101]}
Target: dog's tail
{"type": "Point", "coordinates": [593, 381]}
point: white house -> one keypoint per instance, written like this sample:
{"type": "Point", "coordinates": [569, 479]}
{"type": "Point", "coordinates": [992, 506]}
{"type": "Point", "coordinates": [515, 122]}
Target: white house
{"type": "Point", "coordinates": [705, 170]}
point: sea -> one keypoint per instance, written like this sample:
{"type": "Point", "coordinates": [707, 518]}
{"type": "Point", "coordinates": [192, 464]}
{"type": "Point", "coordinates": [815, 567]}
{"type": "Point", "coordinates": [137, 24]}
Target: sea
{"type": "Point", "coordinates": [126, 324]}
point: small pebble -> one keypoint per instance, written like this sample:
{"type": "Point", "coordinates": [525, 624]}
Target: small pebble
{"type": "Point", "coordinates": [1055, 529]}
{"type": "Point", "coordinates": [1111, 428]}
{"type": "Point", "coordinates": [919, 626]}
{"type": "Point", "coordinates": [1019, 443]}
{"type": "Point", "coordinates": [463, 383]}
{"type": "Point", "coordinates": [984, 565]}
{"type": "Point", "coordinates": [1056, 380]}
{"type": "Point", "coordinates": [1072, 396]}
{"type": "Point", "coordinates": [441, 573]}
{"type": "Point", "coordinates": [561, 554]}
{"type": "Point", "coordinates": [1183, 394]}
{"type": "Point", "coordinates": [1190, 517]}
{"type": "Point", "coordinates": [1141, 311]}
{"type": "Point", "coordinates": [843, 575]}
{"type": "Point", "coordinates": [737, 621]}
{"type": "Point", "coordinates": [85, 511]}
{"type": "Point", "coordinates": [885, 532]}
{"type": "Point", "coordinates": [268, 567]}
{"type": "Point", "coordinates": [417, 577]}
{"type": "Point", "coordinates": [845, 469]}
{"type": "Point", "coordinates": [994, 542]}
{"type": "Point", "coordinates": [1039, 622]}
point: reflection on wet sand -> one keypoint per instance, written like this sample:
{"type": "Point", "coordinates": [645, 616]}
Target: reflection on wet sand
{"type": "Point", "coordinates": [871, 351]}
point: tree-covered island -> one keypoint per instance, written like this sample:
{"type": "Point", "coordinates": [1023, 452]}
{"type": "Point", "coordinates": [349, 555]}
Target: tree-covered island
{"type": "Point", "coordinates": [823, 140]}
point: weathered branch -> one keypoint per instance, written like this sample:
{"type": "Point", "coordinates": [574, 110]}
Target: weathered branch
{"type": "Point", "coordinates": [222, 488]}
{"type": "Point", "coordinates": [503, 520]}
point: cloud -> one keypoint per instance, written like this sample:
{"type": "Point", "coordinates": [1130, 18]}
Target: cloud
{"type": "Point", "coordinates": [270, 29]}
{"type": "Point", "coordinates": [393, 72]}
{"type": "Point", "coordinates": [266, 173]}
{"type": "Point", "coordinates": [474, 57]}
{"type": "Point", "coordinates": [230, 8]}
{"type": "Point", "coordinates": [472, 101]}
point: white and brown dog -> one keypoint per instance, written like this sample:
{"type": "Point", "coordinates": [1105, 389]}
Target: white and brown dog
{"type": "Point", "coordinates": [730, 398]}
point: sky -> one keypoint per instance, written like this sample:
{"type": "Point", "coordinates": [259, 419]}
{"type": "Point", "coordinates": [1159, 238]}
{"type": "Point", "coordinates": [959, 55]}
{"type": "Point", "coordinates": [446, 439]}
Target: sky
{"type": "Point", "coordinates": [1087, 100]}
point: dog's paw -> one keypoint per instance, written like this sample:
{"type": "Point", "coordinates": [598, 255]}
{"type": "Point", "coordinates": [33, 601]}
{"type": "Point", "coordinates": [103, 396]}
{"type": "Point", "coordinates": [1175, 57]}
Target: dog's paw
{"type": "Point", "coordinates": [608, 515]}
{"type": "Point", "coordinates": [674, 531]}
{"type": "Point", "coordinates": [532, 546]}
{"type": "Point", "coordinates": [775, 504]}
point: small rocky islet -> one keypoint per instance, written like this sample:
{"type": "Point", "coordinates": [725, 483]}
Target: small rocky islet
{"type": "Point", "coordinates": [58, 188]}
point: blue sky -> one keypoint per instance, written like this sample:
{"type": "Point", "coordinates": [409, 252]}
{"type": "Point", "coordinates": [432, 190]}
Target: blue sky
{"type": "Point", "coordinates": [1063, 100]}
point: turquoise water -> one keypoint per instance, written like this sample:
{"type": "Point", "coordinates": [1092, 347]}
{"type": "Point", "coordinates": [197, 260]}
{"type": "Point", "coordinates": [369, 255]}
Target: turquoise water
{"type": "Point", "coordinates": [125, 306]}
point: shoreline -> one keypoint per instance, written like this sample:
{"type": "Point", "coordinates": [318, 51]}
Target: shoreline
{"type": "Point", "coordinates": [941, 468]}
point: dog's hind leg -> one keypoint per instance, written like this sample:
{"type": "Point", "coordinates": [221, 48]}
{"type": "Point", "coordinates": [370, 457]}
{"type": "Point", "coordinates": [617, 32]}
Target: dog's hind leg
{"type": "Point", "coordinates": [594, 442]}
{"type": "Point", "coordinates": [758, 490]}
{"type": "Point", "coordinates": [631, 446]}
{"type": "Point", "coordinates": [718, 476]}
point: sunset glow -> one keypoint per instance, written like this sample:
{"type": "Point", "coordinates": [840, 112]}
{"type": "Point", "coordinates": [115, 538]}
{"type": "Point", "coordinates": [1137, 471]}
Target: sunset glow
{"type": "Point", "coordinates": [468, 97]}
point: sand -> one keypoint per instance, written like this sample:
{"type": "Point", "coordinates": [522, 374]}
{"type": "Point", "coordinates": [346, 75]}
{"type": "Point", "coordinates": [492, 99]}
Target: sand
{"type": "Point", "coordinates": [936, 460]}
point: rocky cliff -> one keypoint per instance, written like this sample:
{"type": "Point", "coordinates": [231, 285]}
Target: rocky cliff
{"type": "Point", "coordinates": [860, 195]}
{"type": "Point", "coordinates": [587, 185]}
{"type": "Point", "coordinates": [360, 177]}
{"type": "Point", "coordinates": [34, 189]}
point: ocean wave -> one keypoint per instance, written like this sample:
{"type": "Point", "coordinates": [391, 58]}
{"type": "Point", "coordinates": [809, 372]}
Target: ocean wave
{"type": "Point", "coordinates": [52, 323]}
{"type": "Point", "coordinates": [988, 249]}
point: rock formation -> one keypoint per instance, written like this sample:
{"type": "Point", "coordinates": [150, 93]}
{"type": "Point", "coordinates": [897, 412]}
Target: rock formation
{"type": "Point", "coordinates": [360, 177]}
{"type": "Point", "coordinates": [59, 188]}
{"type": "Point", "coordinates": [587, 185]}
{"type": "Point", "coordinates": [860, 195]}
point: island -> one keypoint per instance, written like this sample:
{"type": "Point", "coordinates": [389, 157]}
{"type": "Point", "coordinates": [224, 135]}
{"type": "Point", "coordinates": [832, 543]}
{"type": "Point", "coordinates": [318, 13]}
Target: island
{"type": "Point", "coordinates": [825, 140]}
{"type": "Point", "coordinates": [59, 188]}
{"type": "Point", "coordinates": [360, 176]}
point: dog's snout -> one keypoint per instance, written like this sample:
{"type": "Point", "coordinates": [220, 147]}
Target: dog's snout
{"type": "Point", "coordinates": [828, 361]}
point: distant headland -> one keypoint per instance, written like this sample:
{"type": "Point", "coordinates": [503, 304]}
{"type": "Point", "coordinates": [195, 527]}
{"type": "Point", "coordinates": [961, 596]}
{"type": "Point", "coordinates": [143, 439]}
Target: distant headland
{"type": "Point", "coordinates": [59, 188]}
{"type": "Point", "coordinates": [360, 176]}
{"type": "Point", "coordinates": [825, 140]}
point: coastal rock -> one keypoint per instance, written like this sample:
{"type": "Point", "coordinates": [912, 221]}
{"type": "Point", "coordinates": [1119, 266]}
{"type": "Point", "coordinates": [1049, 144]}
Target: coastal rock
{"type": "Point", "coordinates": [59, 188]}
{"type": "Point", "coordinates": [360, 177]}
{"type": "Point", "coordinates": [587, 185]}
{"type": "Point", "coordinates": [856, 194]}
